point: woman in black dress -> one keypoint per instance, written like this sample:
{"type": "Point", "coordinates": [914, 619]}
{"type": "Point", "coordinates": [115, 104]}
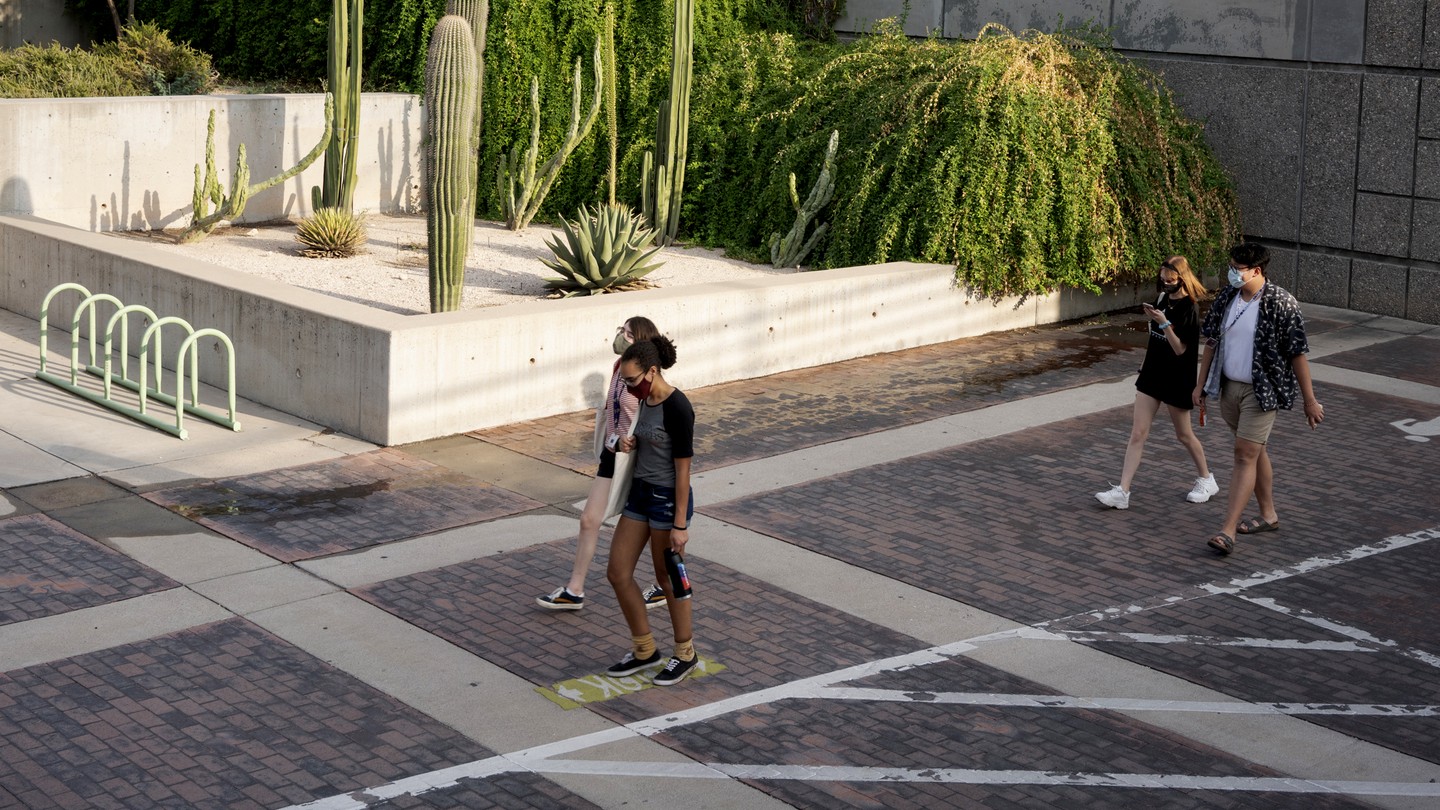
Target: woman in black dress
{"type": "Point", "coordinates": [1168, 377]}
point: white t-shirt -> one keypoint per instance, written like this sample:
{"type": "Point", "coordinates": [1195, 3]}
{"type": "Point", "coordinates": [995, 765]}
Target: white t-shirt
{"type": "Point", "coordinates": [1238, 334]}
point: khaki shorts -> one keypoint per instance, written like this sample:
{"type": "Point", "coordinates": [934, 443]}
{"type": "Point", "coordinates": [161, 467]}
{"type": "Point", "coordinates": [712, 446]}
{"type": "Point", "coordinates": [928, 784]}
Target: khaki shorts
{"type": "Point", "coordinates": [1241, 411]}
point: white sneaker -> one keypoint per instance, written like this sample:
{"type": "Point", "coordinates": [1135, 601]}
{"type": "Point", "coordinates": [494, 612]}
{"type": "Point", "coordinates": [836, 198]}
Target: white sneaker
{"type": "Point", "coordinates": [1114, 497]}
{"type": "Point", "coordinates": [1204, 488]}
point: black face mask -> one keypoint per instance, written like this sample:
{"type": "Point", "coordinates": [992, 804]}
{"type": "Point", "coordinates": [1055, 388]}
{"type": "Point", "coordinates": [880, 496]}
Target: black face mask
{"type": "Point", "coordinates": [1169, 289]}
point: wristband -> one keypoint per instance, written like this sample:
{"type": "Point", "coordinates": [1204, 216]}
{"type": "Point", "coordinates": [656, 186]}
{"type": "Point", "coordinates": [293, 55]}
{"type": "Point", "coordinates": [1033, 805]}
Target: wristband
{"type": "Point", "coordinates": [684, 528]}
{"type": "Point", "coordinates": [1164, 326]}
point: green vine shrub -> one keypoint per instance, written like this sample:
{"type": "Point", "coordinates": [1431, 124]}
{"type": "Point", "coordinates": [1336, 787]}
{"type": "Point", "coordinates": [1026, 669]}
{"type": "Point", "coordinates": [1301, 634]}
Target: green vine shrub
{"type": "Point", "coordinates": [1029, 162]}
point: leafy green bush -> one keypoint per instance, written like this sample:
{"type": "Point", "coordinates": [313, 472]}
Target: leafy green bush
{"type": "Point", "coordinates": [165, 67]}
{"type": "Point", "coordinates": [1027, 162]}
{"type": "Point", "coordinates": [144, 62]}
{"type": "Point", "coordinates": [31, 71]}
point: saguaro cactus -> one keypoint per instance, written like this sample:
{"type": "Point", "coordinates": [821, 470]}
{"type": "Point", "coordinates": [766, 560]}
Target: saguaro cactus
{"type": "Point", "coordinates": [793, 249]}
{"type": "Point", "coordinates": [450, 78]}
{"type": "Point", "coordinates": [347, 18]}
{"type": "Point", "coordinates": [520, 169]}
{"type": "Point", "coordinates": [477, 13]}
{"type": "Point", "coordinates": [662, 175]}
{"type": "Point", "coordinates": [611, 116]}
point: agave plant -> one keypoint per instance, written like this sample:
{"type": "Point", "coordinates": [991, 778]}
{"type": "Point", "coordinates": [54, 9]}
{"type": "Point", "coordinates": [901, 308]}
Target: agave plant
{"type": "Point", "coordinates": [604, 251]}
{"type": "Point", "coordinates": [331, 233]}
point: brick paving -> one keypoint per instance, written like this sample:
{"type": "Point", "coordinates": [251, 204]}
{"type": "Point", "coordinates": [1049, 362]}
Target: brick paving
{"type": "Point", "coordinates": [934, 736]}
{"type": "Point", "coordinates": [487, 606]}
{"type": "Point", "coordinates": [750, 419]}
{"type": "Point", "coordinates": [1415, 358]}
{"type": "Point", "coordinates": [50, 569]}
{"type": "Point", "coordinates": [223, 716]}
{"type": "Point", "coordinates": [1010, 524]}
{"type": "Point", "coordinates": [316, 509]}
{"type": "Point", "coordinates": [1389, 597]}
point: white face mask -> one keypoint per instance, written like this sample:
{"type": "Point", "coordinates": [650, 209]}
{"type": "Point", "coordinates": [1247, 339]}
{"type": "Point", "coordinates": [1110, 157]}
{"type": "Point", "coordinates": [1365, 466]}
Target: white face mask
{"type": "Point", "coordinates": [1236, 278]}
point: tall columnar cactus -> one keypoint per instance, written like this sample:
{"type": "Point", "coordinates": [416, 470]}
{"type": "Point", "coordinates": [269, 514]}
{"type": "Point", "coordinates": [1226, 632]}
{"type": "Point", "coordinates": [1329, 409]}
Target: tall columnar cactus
{"type": "Point", "coordinates": [477, 14]}
{"type": "Point", "coordinates": [612, 176]}
{"type": "Point", "coordinates": [450, 80]}
{"type": "Point", "coordinates": [791, 250]}
{"type": "Point", "coordinates": [519, 170]}
{"type": "Point", "coordinates": [662, 175]}
{"type": "Point", "coordinates": [347, 18]}
{"type": "Point", "coordinates": [232, 205]}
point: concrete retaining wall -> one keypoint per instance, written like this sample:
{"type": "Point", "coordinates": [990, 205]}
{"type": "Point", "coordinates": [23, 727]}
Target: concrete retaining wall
{"type": "Point", "coordinates": [393, 378]}
{"type": "Point", "coordinates": [111, 164]}
{"type": "Point", "coordinates": [1325, 112]}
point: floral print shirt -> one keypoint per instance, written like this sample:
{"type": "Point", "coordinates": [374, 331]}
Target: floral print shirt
{"type": "Point", "coordinates": [1279, 336]}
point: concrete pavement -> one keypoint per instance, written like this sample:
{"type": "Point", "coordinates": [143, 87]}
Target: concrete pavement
{"type": "Point", "coordinates": [906, 596]}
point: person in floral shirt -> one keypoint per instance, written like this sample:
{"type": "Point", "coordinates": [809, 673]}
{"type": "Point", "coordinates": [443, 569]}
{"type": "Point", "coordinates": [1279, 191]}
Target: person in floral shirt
{"type": "Point", "coordinates": [1255, 362]}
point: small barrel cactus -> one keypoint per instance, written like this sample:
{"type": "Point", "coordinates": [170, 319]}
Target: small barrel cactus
{"type": "Point", "coordinates": [450, 93]}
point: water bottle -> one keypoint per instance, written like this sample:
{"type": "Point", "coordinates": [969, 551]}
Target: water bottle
{"type": "Point", "coordinates": [679, 581]}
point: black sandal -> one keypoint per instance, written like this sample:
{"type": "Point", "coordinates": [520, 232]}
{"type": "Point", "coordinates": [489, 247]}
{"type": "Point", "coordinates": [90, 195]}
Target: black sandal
{"type": "Point", "coordinates": [1222, 543]}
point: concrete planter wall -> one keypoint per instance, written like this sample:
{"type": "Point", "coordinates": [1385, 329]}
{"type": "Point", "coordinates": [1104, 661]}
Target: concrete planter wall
{"type": "Point", "coordinates": [113, 164]}
{"type": "Point", "coordinates": [392, 378]}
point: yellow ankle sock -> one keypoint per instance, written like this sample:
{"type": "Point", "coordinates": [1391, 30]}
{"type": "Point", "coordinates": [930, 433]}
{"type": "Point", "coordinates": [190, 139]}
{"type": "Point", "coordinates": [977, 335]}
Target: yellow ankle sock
{"type": "Point", "coordinates": [685, 650]}
{"type": "Point", "coordinates": [643, 646]}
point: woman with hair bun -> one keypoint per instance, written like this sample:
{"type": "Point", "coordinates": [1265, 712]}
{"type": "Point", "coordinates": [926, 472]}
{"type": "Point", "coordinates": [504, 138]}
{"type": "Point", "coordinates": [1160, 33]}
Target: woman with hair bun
{"type": "Point", "coordinates": [659, 508]}
{"type": "Point", "coordinates": [612, 421]}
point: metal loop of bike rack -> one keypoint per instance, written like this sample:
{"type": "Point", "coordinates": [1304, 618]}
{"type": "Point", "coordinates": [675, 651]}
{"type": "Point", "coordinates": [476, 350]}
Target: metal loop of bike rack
{"type": "Point", "coordinates": [152, 337]}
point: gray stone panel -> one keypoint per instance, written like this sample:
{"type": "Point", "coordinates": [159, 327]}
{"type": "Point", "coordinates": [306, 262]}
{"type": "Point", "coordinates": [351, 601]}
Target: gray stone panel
{"type": "Point", "coordinates": [1270, 29]}
{"type": "Point", "coordinates": [1425, 238]}
{"type": "Point", "coordinates": [1424, 303]}
{"type": "Point", "coordinates": [1432, 35]}
{"type": "Point", "coordinates": [1382, 224]}
{"type": "Point", "coordinates": [1430, 102]}
{"type": "Point", "coordinates": [1323, 279]}
{"type": "Point", "coordinates": [1378, 288]}
{"type": "Point", "coordinates": [1332, 133]}
{"type": "Point", "coordinates": [1387, 133]}
{"type": "Point", "coordinates": [861, 15]}
{"type": "Point", "coordinates": [1281, 269]}
{"type": "Point", "coordinates": [1393, 32]}
{"type": "Point", "coordinates": [1252, 117]}
{"type": "Point", "coordinates": [1337, 31]}
{"type": "Point", "coordinates": [1427, 169]}
{"type": "Point", "coordinates": [965, 18]}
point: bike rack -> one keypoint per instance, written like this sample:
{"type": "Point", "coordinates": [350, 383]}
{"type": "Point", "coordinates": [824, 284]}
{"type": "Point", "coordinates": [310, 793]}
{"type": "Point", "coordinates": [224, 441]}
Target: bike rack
{"type": "Point", "coordinates": [152, 336]}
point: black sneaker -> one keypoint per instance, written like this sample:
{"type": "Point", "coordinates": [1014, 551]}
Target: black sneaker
{"type": "Point", "coordinates": [675, 671]}
{"type": "Point", "coordinates": [629, 665]}
{"type": "Point", "coordinates": [561, 599]}
{"type": "Point", "coordinates": [654, 597]}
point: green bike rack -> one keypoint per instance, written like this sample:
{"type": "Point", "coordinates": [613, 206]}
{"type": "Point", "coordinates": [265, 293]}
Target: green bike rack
{"type": "Point", "coordinates": [152, 337]}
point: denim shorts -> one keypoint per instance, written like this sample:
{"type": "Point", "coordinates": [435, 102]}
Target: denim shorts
{"type": "Point", "coordinates": [655, 505]}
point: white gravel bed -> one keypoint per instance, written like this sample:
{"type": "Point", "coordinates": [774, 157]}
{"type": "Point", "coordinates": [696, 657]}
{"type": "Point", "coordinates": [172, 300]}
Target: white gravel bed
{"type": "Point", "coordinates": [503, 267]}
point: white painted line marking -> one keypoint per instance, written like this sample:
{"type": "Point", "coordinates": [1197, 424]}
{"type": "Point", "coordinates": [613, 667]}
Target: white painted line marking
{"type": "Point", "coordinates": [539, 759]}
{"type": "Point", "coordinates": [1343, 629]}
{"type": "Point", "coordinates": [1122, 704]}
{"type": "Point", "coordinates": [1098, 636]}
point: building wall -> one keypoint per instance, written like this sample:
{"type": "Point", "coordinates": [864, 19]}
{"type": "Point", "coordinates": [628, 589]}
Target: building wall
{"type": "Point", "coordinates": [1325, 112]}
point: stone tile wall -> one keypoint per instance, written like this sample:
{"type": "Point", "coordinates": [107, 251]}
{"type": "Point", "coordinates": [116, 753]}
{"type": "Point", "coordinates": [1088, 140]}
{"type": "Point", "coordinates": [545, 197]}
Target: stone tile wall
{"type": "Point", "coordinates": [1326, 113]}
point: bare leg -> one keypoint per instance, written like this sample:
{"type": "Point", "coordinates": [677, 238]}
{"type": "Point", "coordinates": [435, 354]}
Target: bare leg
{"type": "Point", "coordinates": [590, 518]}
{"type": "Point", "coordinates": [630, 537]}
{"type": "Point", "coordinates": [1265, 487]}
{"type": "Point", "coordinates": [1242, 481]}
{"type": "Point", "coordinates": [1180, 418]}
{"type": "Point", "coordinates": [1145, 409]}
{"type": "Point", "coordinates": [679, 608]}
